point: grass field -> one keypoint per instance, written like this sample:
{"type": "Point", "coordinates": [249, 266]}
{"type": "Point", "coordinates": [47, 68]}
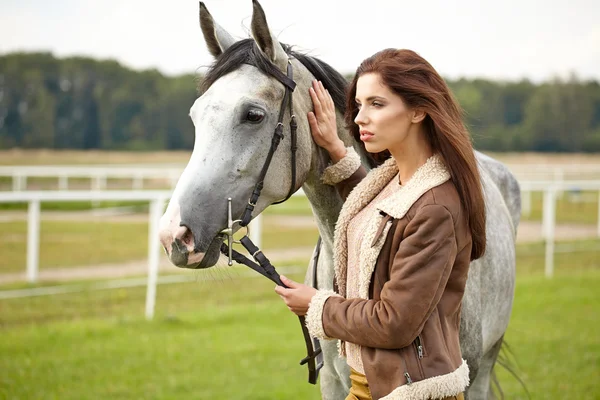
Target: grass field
{"type": "Point", "coordinates": [224, 337]}
{"type": "Point", "coordinates": [233, 338]}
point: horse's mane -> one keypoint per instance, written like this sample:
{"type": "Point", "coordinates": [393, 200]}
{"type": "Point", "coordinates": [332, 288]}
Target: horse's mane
{"type": "Point", "coordinates": [247, 52]}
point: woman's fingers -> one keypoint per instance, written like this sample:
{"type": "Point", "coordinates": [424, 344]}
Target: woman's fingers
{"type": "Point", "coordinates": [314, 124]}
{"type": "Point", "coordinates": [280, 290]}
{"type": "Point", "coordinates": [321, 95]}
{"type": "Point", "coordinates": [323, 120]}
{"type": "Point", "coordinates": [316, 101]}
{"type": "Point", "coordinates": [325, 98]}
{"type": "Point", "coordinates": [329, 102]}
{"type": "Point", "coordinates": [323, 111]}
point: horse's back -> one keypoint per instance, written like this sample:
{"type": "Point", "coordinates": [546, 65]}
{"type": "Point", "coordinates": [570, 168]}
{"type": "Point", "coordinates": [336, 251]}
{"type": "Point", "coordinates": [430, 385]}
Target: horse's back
{"type": "Point", "coordinates": [506, 183]}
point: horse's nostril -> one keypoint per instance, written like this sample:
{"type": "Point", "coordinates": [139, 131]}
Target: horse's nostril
{"type": "Point", "coordinates": [179, 255]}
{"type": "Point", "coordinates": [188, 238]}
{"type": "Point", "coordinates": [185, 236]}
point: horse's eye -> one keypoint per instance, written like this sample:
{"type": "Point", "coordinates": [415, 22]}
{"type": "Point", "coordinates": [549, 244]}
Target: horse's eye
{"type": "Point", "coordinates": [255, 116]}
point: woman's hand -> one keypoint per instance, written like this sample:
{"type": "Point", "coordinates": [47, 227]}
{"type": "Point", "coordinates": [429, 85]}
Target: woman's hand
{"type": "Point", "coordinates": [322, 122]}
{"type": "Point", "coordinates": [297, 296]}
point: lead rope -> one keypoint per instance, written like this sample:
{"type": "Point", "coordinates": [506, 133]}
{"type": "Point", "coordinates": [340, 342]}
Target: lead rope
{"type": "Point", "coordinates": [314, 357]}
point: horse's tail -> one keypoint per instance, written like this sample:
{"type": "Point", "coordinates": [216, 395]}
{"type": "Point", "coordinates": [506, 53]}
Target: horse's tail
{"type": "Point", "coordinates": [507, 185]}
{"type": "Point", "coordinates": [506, 359]}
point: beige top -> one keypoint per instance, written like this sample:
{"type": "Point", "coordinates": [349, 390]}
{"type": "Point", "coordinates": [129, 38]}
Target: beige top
{"type": "Point", "coordinates": [355, 235]}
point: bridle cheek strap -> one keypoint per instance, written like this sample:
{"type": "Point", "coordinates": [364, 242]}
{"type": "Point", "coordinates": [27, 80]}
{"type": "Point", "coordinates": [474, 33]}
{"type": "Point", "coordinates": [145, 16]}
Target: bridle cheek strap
{"type": "Point", "coordinates": [290, 85]}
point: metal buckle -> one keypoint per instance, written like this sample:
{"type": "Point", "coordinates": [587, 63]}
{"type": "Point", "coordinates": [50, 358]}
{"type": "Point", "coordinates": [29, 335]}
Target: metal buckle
{"type": "Point", "coordinates": [229, 232]}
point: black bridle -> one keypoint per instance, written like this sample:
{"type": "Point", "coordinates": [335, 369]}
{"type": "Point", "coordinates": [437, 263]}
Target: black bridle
{"type": "Point", "coordinates": [263, 266]}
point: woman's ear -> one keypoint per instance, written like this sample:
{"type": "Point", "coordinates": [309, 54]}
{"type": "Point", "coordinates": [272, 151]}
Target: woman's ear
{"type": "Point", "coordinates": [418, 116]}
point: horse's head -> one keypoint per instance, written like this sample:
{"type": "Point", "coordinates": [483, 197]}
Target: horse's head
{"type": "Point", "coordinates": [235, 118]}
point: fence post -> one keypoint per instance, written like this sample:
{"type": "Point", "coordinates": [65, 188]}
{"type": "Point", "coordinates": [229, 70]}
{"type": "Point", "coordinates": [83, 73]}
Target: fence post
{"type": "Point", "coordinates": [153, 255]}
{"type": "Point", "coordinates": [99, 182]}
{"type": "Point", "coordinates": [63, 182]}
{"type": "Point", "coordinates": [256, 230]}
{"type": "Point", "coordinates": [33, 240]}
{"type": "Point", "coordinates": [549, 221]}
{"type": "Point", "coordinates": [19, 182]}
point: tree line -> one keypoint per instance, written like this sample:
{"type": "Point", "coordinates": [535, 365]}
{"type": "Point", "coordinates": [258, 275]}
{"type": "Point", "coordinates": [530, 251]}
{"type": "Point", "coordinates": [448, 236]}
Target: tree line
{"type": "Point", "coordinates": [83, 103]}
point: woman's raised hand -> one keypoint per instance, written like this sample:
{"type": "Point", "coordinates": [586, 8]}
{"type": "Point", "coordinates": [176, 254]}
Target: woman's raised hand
{"type": "Point", "coordinates": [323, 124]}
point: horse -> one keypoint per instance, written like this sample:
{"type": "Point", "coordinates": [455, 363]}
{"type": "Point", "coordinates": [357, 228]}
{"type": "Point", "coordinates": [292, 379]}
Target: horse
{"type": "Point", "coordinates": [234, 118]}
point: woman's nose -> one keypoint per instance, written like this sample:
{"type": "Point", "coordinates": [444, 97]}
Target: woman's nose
{"type": "Point", "coordinates": [360, 118]}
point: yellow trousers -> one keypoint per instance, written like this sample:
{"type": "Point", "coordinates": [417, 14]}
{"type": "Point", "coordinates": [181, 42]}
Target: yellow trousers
{"type": "Point", "coordinates": [360, 388]}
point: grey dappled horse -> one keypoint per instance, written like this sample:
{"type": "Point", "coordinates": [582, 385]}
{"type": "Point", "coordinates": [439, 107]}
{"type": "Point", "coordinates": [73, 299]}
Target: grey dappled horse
{"type": "Point", "coordinates": [234, 120]}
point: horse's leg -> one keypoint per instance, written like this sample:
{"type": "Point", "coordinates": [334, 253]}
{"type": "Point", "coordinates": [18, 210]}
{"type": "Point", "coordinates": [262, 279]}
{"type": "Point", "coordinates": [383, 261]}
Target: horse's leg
{"type": "Point", "coordinates": [335, 374]}
{"type": "Point", "coordinates": [480, 388]}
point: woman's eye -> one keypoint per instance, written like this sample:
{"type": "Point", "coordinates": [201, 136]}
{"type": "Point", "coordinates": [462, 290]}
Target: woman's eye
{"type": "Point", "coordinates": [255, 116]}
{"type": "Point", "coordinates": [376, 104]}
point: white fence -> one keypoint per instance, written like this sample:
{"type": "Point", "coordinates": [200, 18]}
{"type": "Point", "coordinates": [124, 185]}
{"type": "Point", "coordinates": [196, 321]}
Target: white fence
{"type": "Point", "coordinates": [157, 200]}
{"type": "Point", "coordinates": [98, 175]}
{"type": "Point", "coordinates": [138, 174]}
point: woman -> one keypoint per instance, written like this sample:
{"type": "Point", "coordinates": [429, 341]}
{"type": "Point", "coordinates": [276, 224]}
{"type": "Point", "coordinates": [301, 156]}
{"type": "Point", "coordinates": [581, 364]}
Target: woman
{"type": "Point", "coordinates": [406, 233]}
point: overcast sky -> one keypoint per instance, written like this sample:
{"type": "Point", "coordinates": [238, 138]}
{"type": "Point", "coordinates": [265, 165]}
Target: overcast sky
{"type": "Point", "coordinates": [501, 39]}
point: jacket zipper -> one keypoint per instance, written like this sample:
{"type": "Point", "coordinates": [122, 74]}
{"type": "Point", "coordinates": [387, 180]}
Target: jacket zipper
{"type": "Point", "coordinates": [406, 374]}
{"type": "Point", "coordinates": [419, 344]}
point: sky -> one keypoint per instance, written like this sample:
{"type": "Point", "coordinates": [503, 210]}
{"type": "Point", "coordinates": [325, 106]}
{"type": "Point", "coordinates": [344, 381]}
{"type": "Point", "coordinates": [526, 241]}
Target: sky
{"type": "Point", "coordinates": [501, 40]}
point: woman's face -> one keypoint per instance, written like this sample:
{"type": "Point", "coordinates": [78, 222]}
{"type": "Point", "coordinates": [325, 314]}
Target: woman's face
{"type": "Point", "coordinates": [383, 117]}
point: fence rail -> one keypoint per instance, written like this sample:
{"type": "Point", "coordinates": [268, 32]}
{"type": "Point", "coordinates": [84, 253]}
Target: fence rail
{"type": "Point", "coordinates": [100, 174]}
{"type": "Point", "coordinates": [157, 200]}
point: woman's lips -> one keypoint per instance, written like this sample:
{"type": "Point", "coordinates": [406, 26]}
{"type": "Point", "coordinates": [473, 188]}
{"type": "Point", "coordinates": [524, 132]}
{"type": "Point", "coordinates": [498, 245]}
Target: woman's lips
{"type": "Point", "coordinates": [366, 136]}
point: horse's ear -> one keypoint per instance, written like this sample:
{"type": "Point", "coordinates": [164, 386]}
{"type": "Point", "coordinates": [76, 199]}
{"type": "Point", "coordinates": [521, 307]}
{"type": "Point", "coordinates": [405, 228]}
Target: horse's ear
{"type": "Point", "coordinates": [266, 41]}
{"type": "Point", "coordinates": [217, 39]}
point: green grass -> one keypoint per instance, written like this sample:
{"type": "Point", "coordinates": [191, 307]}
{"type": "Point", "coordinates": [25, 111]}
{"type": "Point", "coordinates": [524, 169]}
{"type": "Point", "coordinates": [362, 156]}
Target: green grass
{"type": "Point", "coordinates": [73, 243]}
{"type": "Point", "coordinates": [219, 340]}
{"type": "Point", "coordinates": [232, 338]}
{"type": "Point", "coordinates": [297, 205]}
{"type": "Point", "coordinates": [553, 335]}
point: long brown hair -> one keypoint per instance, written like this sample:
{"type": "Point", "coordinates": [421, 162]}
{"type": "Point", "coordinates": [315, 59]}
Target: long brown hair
{"type": "Point", "coordinates": [420, 86]}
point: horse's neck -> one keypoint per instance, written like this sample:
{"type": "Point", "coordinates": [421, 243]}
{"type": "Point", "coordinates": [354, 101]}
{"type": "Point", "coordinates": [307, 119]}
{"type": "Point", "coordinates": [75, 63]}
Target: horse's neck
{"type": "Point", "coordinates": [324, 199]}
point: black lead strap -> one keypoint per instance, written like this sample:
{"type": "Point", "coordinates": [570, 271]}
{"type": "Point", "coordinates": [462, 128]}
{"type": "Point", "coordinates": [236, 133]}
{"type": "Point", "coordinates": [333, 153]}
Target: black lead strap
{"type": "Point", "coordinates": [314, 357]}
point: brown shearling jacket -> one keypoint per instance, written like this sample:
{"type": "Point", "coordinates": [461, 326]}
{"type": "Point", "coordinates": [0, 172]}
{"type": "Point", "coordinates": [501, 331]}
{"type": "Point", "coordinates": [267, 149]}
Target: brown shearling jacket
{"type": "Point", "coordinates": [413, 267]}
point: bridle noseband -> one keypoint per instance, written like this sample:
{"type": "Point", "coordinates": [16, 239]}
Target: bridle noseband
{"type": "Point", "coordinates": [263, 266]}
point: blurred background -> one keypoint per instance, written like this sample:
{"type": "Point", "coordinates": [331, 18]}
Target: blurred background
{"type": "Point", "coordinates": [94, 133]}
